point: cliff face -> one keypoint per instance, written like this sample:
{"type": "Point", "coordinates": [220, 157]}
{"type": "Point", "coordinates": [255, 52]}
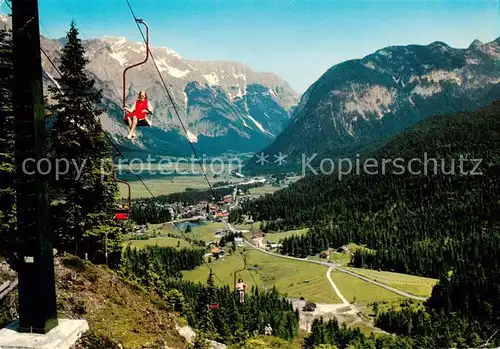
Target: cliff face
{"type": "Point", "coordinates": [361, 101]}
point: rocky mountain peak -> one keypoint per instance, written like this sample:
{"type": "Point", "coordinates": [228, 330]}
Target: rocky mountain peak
{"type": "Point", "coordinates": [363, 100]}
{"type": "Point", "coordinates": [476, 44]}
{"type": "Point", "coordinates": [226, 105]}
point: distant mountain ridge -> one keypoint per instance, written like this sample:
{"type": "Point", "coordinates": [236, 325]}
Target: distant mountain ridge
{"type": "Point", "coordinates": [227, 105]}
{"type": "Point", "coordinates": [365, 100]}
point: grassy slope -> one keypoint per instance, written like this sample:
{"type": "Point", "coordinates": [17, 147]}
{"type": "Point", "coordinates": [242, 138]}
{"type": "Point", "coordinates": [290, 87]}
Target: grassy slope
{"type": "Point", "coordinates": [364, 292]}
{"type": "Point", "coordinates": [275, 237]}
{"type": "Point", "coordinates": [163, 186]}
{"type": "Point", "coordinates": [288, 276]}
{"type": "Point", "coordinates": [266, 189]}
{"type": "Point", "coordinates": [204, 232]}
{"type": "Point", "coordinates": [162, 242]}
{"type": "Point", "coordinates": [419, 286]}
{"type": "Point", "coordinates": [114, 308]}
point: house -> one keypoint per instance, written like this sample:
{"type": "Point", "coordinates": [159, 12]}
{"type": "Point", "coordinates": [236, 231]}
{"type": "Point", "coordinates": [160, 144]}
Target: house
{"type": "Point", "coordinates": [272, 244]}
{"type": "Point", "coordinates": [257, 235]}
{"type": "Point", "coordinates": [216, 252]}
{"type": "Point", "coordinates": [343, 249]}
{"type": "Point", "coordinates": [324, 254]}
{"type": "Point", "coordinates": [309, 306]}
{"type": "Point", "coordinates": [239, 241]}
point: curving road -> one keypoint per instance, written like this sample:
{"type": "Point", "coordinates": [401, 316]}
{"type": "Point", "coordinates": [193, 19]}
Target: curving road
{"type": "Point", "coordinates": [337, 266]}
{"type": "Point", "coordinates": [335, 288]}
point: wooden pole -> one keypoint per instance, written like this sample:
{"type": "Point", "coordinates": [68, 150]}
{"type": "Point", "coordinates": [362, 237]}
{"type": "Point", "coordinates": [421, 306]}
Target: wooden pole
{"type": "Point", "coordinates": [37, 295]}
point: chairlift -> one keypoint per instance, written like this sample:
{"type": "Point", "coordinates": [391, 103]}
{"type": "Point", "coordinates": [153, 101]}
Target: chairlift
{"type": "Point", "coordinates": [141, 110]}
{"type": "Point", "coordinates": [123, 213]}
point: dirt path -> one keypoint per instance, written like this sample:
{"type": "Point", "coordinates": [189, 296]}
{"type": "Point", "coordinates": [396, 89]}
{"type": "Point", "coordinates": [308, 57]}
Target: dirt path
{"type": "Point", "coordinates": [335, 288]}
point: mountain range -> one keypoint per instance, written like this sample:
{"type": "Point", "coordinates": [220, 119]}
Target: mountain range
{"type": "Point", "coordinates": [232, 109]}
{"type": "Point", "coordinates": [360, 102]}
{"type": "Point", "coordinates": [226, 105]}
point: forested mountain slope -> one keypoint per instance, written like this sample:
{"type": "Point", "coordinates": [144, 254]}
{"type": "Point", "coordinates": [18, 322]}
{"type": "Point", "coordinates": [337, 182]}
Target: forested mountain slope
{"type": "Point", "coordinates": [444, 224]}
{"type": "Point", "coordinates": [414, 220]}
{"type": "Point", "coordinates": [364, 100]}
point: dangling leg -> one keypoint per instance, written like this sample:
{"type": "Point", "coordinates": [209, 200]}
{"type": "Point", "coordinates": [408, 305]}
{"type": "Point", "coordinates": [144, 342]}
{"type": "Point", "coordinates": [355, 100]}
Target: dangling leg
{"type": "Point", "coordinates": [129, 121]}
{"type": "Point", "coordinates": [134, 125]}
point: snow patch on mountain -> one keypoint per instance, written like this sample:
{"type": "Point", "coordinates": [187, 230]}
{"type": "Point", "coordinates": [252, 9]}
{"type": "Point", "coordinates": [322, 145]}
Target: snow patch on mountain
{"type": "Point", "coordinates": [240, 94]}
{"type": "Point", "coordinates": [212, 78]}
{"type": "Point", "coordinates": [238, 76]}
{"type": "Point", "coordinates": [272, 93]}
{"type": "Point", "coordinates": [119, 57]}
{"type": "Point", "coordinates": [169, 52]}
{"type": "Point", "coordinates": [115, 40]}
{"type": "Point", "coordinates": [260, 126]}
{"type": "Point", "coordinates": [244, 122]}
{"type": "Point", "coordinates": [172, 71]}
{"type": "Point", "coordinates": [369, 65]}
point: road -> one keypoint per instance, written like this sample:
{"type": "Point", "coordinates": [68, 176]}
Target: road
{"type": "Point", "coordinates": [335, 288]}
{"type": "Point", "coordinates": [337, 266]}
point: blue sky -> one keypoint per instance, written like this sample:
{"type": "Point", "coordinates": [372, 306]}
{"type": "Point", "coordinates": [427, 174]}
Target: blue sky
{"type": "Point", "coordinates": [298, 40]}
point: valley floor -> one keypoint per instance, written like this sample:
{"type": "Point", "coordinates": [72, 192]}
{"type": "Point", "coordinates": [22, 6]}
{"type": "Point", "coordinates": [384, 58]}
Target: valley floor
{"type": "Point", "coordinates": [338, 291]}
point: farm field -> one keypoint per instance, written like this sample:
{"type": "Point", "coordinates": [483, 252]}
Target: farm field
{"type": "Point", "coordinates": [181, 164]}
{"type": "Point", "coordinates": [164, 186]}
{"type": "Point", "coordinates": [290, 277]}
{"type": "Point", "coordinates": [203, 232]}
{"type": "Point", "coordinates": [418, 286]}
{"type": "Point", "coordinates": [161, 241]}
{"type": "Point", "coordinates": [340, 258]}
{"type": "Point", "coordinates": [276, 237]}
{"type": "Point", "coordinates": [361, 291]}
{"type": "Point", "coordinates": [265, 189]}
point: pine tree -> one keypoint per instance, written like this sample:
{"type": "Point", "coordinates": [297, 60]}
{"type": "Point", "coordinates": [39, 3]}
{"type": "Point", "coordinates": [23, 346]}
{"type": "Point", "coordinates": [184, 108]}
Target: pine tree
{"type": "Point", "coordinates": [205, 318]}
{"type": "Point", "coordinates": [7, 165]}
{"type": "Point", "coordinates": [85, 200]}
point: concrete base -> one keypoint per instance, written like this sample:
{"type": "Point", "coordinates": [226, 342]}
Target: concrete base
{"type": "Point", "coordinates": [64, 336]}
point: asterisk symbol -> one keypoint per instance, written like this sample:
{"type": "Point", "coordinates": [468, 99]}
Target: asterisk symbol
{"type": "Point", "coordinates": [262, 158]}
{"type": "Point", "coordinates": [280, 158]}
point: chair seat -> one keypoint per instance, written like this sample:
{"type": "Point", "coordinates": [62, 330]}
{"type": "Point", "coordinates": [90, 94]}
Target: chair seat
{"type": "Point", "coordinates": [141, 123]}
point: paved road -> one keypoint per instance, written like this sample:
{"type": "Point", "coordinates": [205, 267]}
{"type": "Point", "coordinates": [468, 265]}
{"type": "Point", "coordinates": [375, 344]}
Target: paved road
{"type": "Point", "coordinates": [337, 266]}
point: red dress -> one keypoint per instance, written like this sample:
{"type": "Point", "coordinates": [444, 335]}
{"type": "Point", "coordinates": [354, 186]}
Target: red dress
{"type": "Point", "coordinates": [140, 106]}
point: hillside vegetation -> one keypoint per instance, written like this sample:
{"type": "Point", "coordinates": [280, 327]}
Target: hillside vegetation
{"type": "Point", "coordinates": [442, 224]}
{"type": "Point", "coordinates": [118, 312]}
{"type": "Point", "coordinates": [416, 222]}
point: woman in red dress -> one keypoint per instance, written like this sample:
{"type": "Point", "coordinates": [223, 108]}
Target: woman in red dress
{"type": "Point", "coordinates": [138, 112]}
